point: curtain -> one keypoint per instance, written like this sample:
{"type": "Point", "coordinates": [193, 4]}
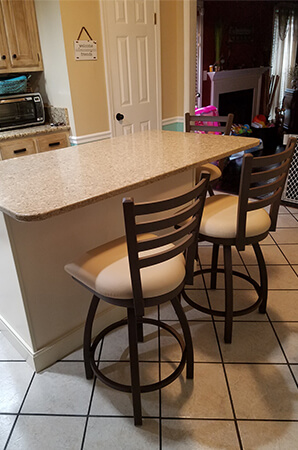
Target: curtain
{"type": "Point", "coordinates": [284, 49]}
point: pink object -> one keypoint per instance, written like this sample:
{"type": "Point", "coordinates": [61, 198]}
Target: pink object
{"type": "Point", "coordinates": [207, 111]}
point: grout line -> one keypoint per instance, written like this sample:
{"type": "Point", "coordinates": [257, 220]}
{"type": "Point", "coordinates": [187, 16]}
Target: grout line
{"type": "Point", "coordinates": [18, 413]}
{"type": "Point", "coordinates": [224, 369]}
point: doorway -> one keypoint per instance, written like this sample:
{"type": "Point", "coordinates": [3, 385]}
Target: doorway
{"type": "Point", "coordinates": [131, 31]}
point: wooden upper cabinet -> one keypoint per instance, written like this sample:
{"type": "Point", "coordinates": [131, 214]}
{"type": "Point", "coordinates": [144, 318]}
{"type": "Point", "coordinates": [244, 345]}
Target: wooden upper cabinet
{"type": "Point", "coordinates": [22, 38]}
{"type": "Point", "coordinates": [3, 45]}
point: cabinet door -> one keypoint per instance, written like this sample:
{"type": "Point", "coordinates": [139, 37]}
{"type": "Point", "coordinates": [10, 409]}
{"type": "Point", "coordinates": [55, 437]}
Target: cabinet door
{"type": "Point", "coordinates": [17, 147]}
{"type": "Point", "coordinates": [52, 141]}
{"type": "Point", "coordinates": [3, 44]}
{"type": "Point", "coordinates": [22, 35]}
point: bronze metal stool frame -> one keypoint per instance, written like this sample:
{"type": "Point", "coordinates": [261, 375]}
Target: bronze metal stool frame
{"type": "Point", "coordinates": [161, 248]}
{"type": "Point", "coordinates": [262, 179]}
{"type": "Point", "coordinates": [195, 123]}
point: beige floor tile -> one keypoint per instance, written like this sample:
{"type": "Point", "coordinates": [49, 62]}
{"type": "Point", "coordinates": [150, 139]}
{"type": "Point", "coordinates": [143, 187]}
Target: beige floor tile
{"type": "Point", "coordinates": [120, 433]}
{"type": "Point", "coordinates": [204, 343]}
{"type": "Point", "coordinates": [108, 401]}
{"type": "Point", "coordinates": [238, 282]}
{"type": "Point", "coordinates": [294, 368]}
{"type": "Point", "coordinates": [252, 342]}
{"type": "Point", "coordinates": [292, 209]}
{"type": "Point", "coordinates": [283, 305]}
{"type": "Point", "coordinates": [271, 253]}
{"type": "Point", "coordinates": [286, 236]}
{"type": "Point", "coordinates": [261, 391]}
{"type": "Point", "coordinates": [115, 346]}
{"type": "Point", "coordinates": [291, 252]}
{"type": "Point", "coordinates": [283, 210]}
{"type": "Point", "coordinates": [205, 254]}
{"type": "Point", "coordinates": [206, 396]}
{"type": "Point", "coordinates": [268, 240]}
{"type": "Point", "coordinates": [286, 220]}
{"type": "Point", "coordinates": [199, 434]}
{"type": "Point", "coordinates": [296, 269]}
{"type": "Point", "coordinates": [279, 277]}
{"type": "Point", "coordinates": [199, 297]}
{"type": "Point", "coordinates": [243, 298]}
{"type": "Point", "coordinates": [288, 335]}
{"type": "Point", "coordinates": [269, 435]}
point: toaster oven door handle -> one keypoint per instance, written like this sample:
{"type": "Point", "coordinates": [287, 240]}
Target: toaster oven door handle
{"type": "Point", "coordinates": [13, 100]}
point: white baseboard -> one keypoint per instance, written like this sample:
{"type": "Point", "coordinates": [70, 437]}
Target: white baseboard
{"type": "Point", "coordinates": [172, 120]}
{"type": "Point", "coordinates": [61, 347]}
{"type": "Point", "coordinates": [76, 140]}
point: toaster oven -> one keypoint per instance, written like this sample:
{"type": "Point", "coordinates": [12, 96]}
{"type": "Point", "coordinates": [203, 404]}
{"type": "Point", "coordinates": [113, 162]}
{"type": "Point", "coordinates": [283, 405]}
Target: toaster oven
{"type": "Point", "coordinates": [21, 110]}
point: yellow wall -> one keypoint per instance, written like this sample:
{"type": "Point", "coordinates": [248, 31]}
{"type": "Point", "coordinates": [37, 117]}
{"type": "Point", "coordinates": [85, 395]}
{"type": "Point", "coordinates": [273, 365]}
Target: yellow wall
{"type": "Point", "coordinates": [171, 12]}
{"type": "Point", "coordinates": [86, 78]}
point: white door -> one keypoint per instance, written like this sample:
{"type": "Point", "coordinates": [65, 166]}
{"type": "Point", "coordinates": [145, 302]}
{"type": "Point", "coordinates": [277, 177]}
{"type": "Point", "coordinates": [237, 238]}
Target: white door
{"type": "Point", "coordinates": [132, 55]}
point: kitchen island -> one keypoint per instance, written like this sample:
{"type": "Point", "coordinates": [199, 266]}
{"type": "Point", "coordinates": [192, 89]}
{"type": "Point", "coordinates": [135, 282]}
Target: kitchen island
{"type": "Point", "coordinates": [58, 204]}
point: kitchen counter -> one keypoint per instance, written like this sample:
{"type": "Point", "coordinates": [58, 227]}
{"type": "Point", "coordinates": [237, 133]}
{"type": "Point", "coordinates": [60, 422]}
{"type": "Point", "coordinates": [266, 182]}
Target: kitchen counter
{"type": "Point", "coordinates": [60, 181]}
{"type": "Point", "coordinates": [32, 131]}
{"type": "Point", "coordinates": [57, 205]}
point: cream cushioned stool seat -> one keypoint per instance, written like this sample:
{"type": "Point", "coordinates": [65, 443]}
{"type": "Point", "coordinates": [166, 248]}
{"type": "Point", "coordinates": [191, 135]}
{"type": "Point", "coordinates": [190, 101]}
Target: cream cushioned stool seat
{"type": "Point", "coordinates": [240, 221]}
{"type": "Point", "coordinates": [147, 267]}
{"type": "Point", "coordinates": [98, 269]}
{"type": "Point", "coordinates": [210, 168]}
{"type": "Point", "coordinates": [222, 210]}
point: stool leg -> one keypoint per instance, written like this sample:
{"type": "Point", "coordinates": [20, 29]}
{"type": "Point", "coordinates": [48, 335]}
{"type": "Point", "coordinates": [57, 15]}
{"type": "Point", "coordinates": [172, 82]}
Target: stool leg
{"type": "Point", "coordinates": [134, 365]}
{"type": "Point", "coordinates": [215, 250]}
{"type": "Point", "coordinates": [263, 277]}
{"type": "Point", "coordinates": [88, 336]}
{"type": "Point", "coordinates": [228, 294]}
{"type": "Point", "coordinates": [140, 331]}
{"type": "Point", "coordinates": [187, 336]}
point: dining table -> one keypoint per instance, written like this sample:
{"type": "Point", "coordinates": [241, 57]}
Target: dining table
{"type": "Point", "coordinates": [59, 204]}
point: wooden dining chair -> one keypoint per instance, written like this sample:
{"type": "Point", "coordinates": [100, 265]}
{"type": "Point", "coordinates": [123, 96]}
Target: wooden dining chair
{"type": "Point", "coordinates": [240, 221]}
{"type": "Point", "coordinates": [201, 123]}
{"type": "Point", "coordinates": [148, 266]}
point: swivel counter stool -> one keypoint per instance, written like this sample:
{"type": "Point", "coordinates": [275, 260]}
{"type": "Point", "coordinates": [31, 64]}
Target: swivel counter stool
{"type": "Point", "coordinates": [240, 221]}
{"type": "Point", "coordinates": [140, 270]}
{"type": "Point", "coordinates": [198, 124]}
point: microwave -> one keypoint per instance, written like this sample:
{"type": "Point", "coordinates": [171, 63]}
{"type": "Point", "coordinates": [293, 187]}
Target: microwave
{"type": "Point", "coordinates": [21, 110]}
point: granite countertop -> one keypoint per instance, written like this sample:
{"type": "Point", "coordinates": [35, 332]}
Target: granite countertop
{"type": "Point", "coordinates": [32, 131]}
{"type": "Point", "coordinates": [56, 120]}
{"type": "Point", "coordinates": [69, 178]}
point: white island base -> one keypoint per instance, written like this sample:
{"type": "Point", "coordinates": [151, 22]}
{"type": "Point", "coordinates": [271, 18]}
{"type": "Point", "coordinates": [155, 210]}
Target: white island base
{"type": "Point", "coordinates": [42, 310]}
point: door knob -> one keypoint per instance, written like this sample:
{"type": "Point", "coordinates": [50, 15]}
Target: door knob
{"type": "Point", "coordinates": [119, 116]}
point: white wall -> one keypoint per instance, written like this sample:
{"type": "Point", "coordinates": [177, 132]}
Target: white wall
{"type": "Point", "coordinates": [54, 84]}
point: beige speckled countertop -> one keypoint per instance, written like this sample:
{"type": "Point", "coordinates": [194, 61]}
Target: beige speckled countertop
{"type": "Point", "coordinates": [32, 131]}
{"type": "Point", "coordinates": [36, 187]}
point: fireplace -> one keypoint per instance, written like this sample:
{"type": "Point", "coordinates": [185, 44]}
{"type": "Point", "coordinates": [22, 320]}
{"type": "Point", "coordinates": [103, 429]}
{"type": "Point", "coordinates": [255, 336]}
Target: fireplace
{"type": "Point", "coordinates": [237, 92]}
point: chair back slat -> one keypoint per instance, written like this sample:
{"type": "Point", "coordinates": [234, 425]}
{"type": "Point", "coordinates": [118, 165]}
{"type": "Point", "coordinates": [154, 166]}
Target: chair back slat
{"type": "Point", "coordinates": [198, 123]}
{"type": "Point", "coordinates": [168, 253]}
{"type": "Point", "coordinates": [269, 174]}
{"type": "Point", "coordinates": [144, 251]}
{"type": "Point", "coordinates": [267, 188]}
{"type": "Point", "coordinates": [175, 234]}
{"type": "Point", "coordinates": [142, 209]}
{"type": "Point", "coordinates": [262, 179]}
{"type": "Point", "coordinates": [167, 222]}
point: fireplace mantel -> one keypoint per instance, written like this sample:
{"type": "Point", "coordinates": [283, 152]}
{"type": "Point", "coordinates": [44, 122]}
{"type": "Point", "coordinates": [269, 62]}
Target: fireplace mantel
{"type": "Point", "coordinates": [237, 80]}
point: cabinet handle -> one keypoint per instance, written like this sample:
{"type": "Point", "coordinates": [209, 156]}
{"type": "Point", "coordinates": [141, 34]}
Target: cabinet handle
{"type": "Point", "coordinates": [3, 57]}
{"type": "Point", "coordinates": [14, 56]}
{"type": "Point", "coordinates": [20, 150]}
{"type": "Point", "coordinates": [54, 144]}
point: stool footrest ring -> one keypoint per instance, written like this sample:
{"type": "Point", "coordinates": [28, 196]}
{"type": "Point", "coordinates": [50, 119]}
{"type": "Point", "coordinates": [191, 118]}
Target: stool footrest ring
{"type": "Point", "coordinates": [144, 388]}
{"type": "Point", "coordinates": [221, 313]}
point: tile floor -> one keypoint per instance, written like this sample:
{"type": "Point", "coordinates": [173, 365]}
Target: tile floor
{"type": "Point", "coordinates": [244, 395]}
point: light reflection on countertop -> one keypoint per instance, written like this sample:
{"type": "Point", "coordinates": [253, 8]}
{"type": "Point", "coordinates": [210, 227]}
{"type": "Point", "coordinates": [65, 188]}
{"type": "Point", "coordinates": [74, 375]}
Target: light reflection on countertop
{"type": "Point", "coordinates": [39, 186]}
